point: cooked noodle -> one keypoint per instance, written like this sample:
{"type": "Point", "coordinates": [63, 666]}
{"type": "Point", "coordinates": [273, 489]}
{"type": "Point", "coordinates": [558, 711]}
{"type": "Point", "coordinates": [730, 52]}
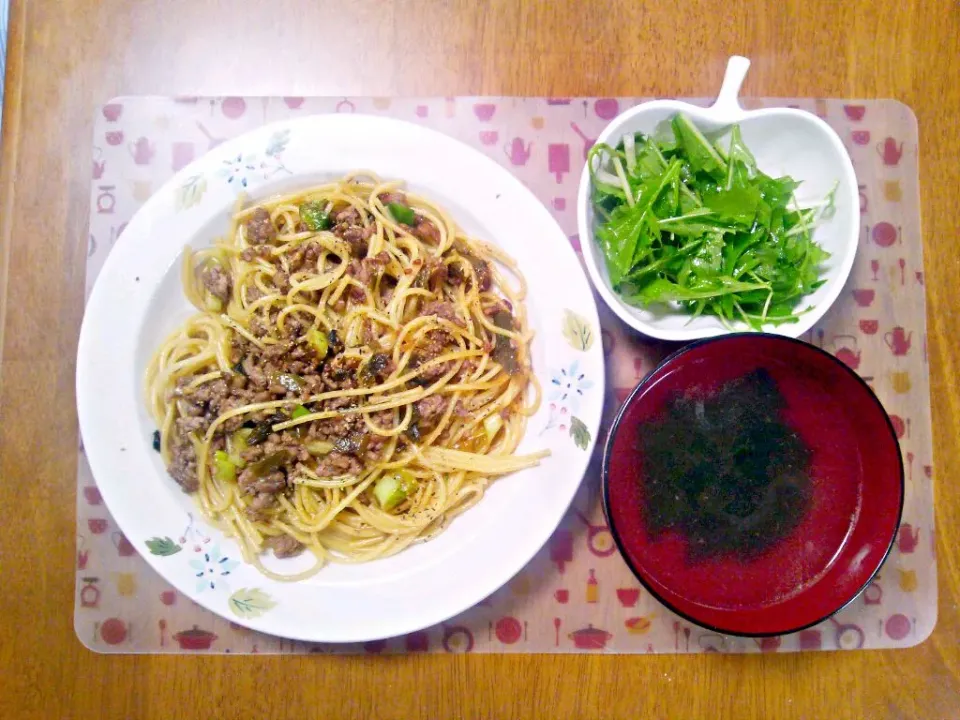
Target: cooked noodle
{"type": "Point", "coordinates": [337, 354]}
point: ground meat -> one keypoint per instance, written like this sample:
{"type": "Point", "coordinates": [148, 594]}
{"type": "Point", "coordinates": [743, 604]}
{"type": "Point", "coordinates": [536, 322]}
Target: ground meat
{"type": "Point", "coordinates": [392, 197]}
{"type": "Point", "coordinates": [444, 310]}
{"type": "Point", "coordinates": [261, 502]}
{"type": "Point", "coordinates": [211, 393]}
{"type": "Point", "coordinates": [217, 282]}
{"type": "Point", "coordinates": [260, 228]}
{"type": "Point", "coordinates": [183, 466]}
{"type": "Point", "coordinates": [365, 271]}
{"type": "Point", "coordinates": [283, 546]}
{"type": "Point", "coordinates": [272, 483]}
{"type": "Point", "coordinates": [349, 215]}
{"type": "Point", "coordinates": [192, 424]}
{"type": "Point", "coordinates": [253, 372]}
{"type": "Point", "coordinates": [256, 251]}
{"type": "Point", "coordinates": [433, 274]}
{"type": "Point", "coordinates": [480, 267]}
{"type": "Point", "coordinates": [431, 409]}
{"type": "Point", "coordinates": [337, 463]}
{"type": "Point", "coordinates": [341, 426]}
{"type": "Point", "coordinates": [496, 306]}
{"type": "Point", "coordinates": [339, 373]}
{"type": "Point", "coordinates": [356, 236]}
{"type": "Point", "coordinates": [427, 231]}
{"type": "Point", "coordinates": [281, 281]}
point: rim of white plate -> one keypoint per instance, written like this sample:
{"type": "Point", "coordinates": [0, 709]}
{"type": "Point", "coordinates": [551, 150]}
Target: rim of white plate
{"type": "Point", "coordinates": [434, 581]}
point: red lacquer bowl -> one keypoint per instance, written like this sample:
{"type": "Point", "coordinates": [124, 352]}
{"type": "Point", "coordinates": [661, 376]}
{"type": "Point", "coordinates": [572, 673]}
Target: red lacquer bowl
{"type": "Point", "coordinates": [845, 535]}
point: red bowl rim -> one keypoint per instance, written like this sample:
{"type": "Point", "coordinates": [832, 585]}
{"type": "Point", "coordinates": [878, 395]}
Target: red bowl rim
{"type": "Point", "coordinates": [605, 482]}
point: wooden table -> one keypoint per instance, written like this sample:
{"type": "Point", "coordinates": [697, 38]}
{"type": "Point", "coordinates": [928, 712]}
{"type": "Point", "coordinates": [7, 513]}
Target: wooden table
{"type": "Point", "coordinates": [66, 56]}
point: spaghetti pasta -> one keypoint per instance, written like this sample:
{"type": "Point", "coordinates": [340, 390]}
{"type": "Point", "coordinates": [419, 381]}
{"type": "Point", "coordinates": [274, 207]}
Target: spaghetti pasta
{"type": "Point", "coordinates": [357, 373]}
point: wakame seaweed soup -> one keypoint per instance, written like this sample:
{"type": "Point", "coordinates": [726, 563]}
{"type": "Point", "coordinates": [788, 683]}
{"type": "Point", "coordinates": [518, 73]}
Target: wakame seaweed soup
{"type": "Point", "coordinates": [725, 470]}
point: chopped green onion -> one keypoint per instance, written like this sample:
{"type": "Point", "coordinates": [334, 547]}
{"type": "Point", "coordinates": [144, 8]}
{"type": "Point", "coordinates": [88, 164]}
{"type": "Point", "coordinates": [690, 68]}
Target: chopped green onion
{"type": "Point", "coordinates": [393, 489]}
{"type": "Point", "coordinates": [298, 412]}
{"type": "Point", "coordinates": [318, 341]}
{"type": "Point", "coordinates": [492, 425]}
{"type": "Point", "coordinates": [226, 470]}
{"type": "Point", "coordinates": [402, 213]}
{"type": "Point", "coordinates": [319, 447]}
{"type": "Point", "coordinates": [313, 216]}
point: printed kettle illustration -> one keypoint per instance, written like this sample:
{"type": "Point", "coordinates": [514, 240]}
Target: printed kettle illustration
{"type": "Point", "coordinates": [849, 356]}
{"type": "Point", "coordinates": [898, 340]}
{"type": "Point", "coordinates": [909, 538]}
{"type": "Point", "coordinates": [890, 151]}
{"type": "Point", "coordinates": [517, 151]}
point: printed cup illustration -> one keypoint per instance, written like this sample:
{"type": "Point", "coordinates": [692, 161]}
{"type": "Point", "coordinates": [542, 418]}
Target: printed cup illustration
{"type": "Point", "coordinates": [484, 111]}
{"type": "Point", "coordinates": [97, 526]}
{"type": "Point", "coordinates": [114, 137]}
{"type": "Point", "coordinates": [562, 596]}
{"type": "Point", "coordinates": [489, 137]}
{"type": "Point", "coordinates": [294, 103]}
{"type": "Point", "coordinates": [869, 327]}
{"type": "Point", "coordinates": [123, 546]}
{"type": "Point", "coordinates": [537, 123]}
{"type": "Point", "coordinates": [892, 191]}
{"type": "Point", "coordinates": [864, 296]}
{"type": "Point", "coordinates": [112, 112]}
{"type": "Point", "coordinates": [628, 597]}
{"type": "Point", "coordinates": [907, 580]}
{"type": "Point", "coordinates": [92, 495]}
{"type": "Point", "coordinates": [900, 380]}
{"type": "Point", "coordinates": [168, 597]}
{"type": "Point", "coordinates": [854, 112]}
{"type": "Point", "coordinates": [860, 137]}
{"type": "Point", "coordinates": [126, 583]}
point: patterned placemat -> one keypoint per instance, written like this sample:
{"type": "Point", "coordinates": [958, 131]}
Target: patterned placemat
{"type": "Point", "coordinates": [577, 594]}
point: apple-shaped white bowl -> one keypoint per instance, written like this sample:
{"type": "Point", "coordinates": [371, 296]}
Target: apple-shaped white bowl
{"type": "Point", "coordinates": [784, 141]}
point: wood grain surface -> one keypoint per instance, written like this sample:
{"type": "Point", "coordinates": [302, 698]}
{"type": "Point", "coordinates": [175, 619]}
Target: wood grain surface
{"type": "Point", "coordinates": [66, 56]}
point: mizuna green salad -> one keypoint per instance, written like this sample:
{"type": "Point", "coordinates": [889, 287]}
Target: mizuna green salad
{"type": "Point", "coordinates": [689, 219]}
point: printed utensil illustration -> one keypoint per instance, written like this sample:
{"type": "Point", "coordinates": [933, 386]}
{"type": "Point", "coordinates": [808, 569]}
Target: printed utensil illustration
{"type": "Point", "coordinates": [599, 538]}
{"type": "Point", "coordinates": [556, 626]}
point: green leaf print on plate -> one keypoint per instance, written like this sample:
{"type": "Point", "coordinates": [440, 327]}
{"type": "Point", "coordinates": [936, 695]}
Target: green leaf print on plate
{"type": "Point", "coordinates": [191, 192]}
{"type": "Point", "coordinates": [164, 547]}
{"type": "Point", "coordinates": [577, 331]}
{"type": "Point", "coordinates": [579, 433]}
{"type": "Point", "coordinates": [250, 603]}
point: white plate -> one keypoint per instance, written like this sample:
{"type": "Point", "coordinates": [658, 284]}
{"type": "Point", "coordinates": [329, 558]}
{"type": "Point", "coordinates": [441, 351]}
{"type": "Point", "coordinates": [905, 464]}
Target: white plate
{"type": "Point", "coordinates": [138, 300]}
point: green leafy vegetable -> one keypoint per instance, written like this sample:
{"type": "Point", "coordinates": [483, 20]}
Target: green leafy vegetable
{"type": "Point", "coordinates": [313, 216]}
{"type": "Point", "coordinates": [688, 218]}
{"type": "Point", "coordinates": [402, 213]}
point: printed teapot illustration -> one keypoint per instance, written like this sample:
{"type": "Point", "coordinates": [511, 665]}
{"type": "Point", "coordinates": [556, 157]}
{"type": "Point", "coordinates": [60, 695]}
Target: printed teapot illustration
{"type": "Point", "coordinates": [890, 151]}
{"type": "Point", "coordinates": [849, 355]}
{"type": "Point", "coordinates": [898, 340]}
{"type": "Point", "coordinates": [517, 151]}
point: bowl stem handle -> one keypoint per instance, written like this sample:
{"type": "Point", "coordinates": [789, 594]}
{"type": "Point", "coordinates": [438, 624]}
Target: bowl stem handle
{"type": "Point", "coordinates": [726, 101]}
